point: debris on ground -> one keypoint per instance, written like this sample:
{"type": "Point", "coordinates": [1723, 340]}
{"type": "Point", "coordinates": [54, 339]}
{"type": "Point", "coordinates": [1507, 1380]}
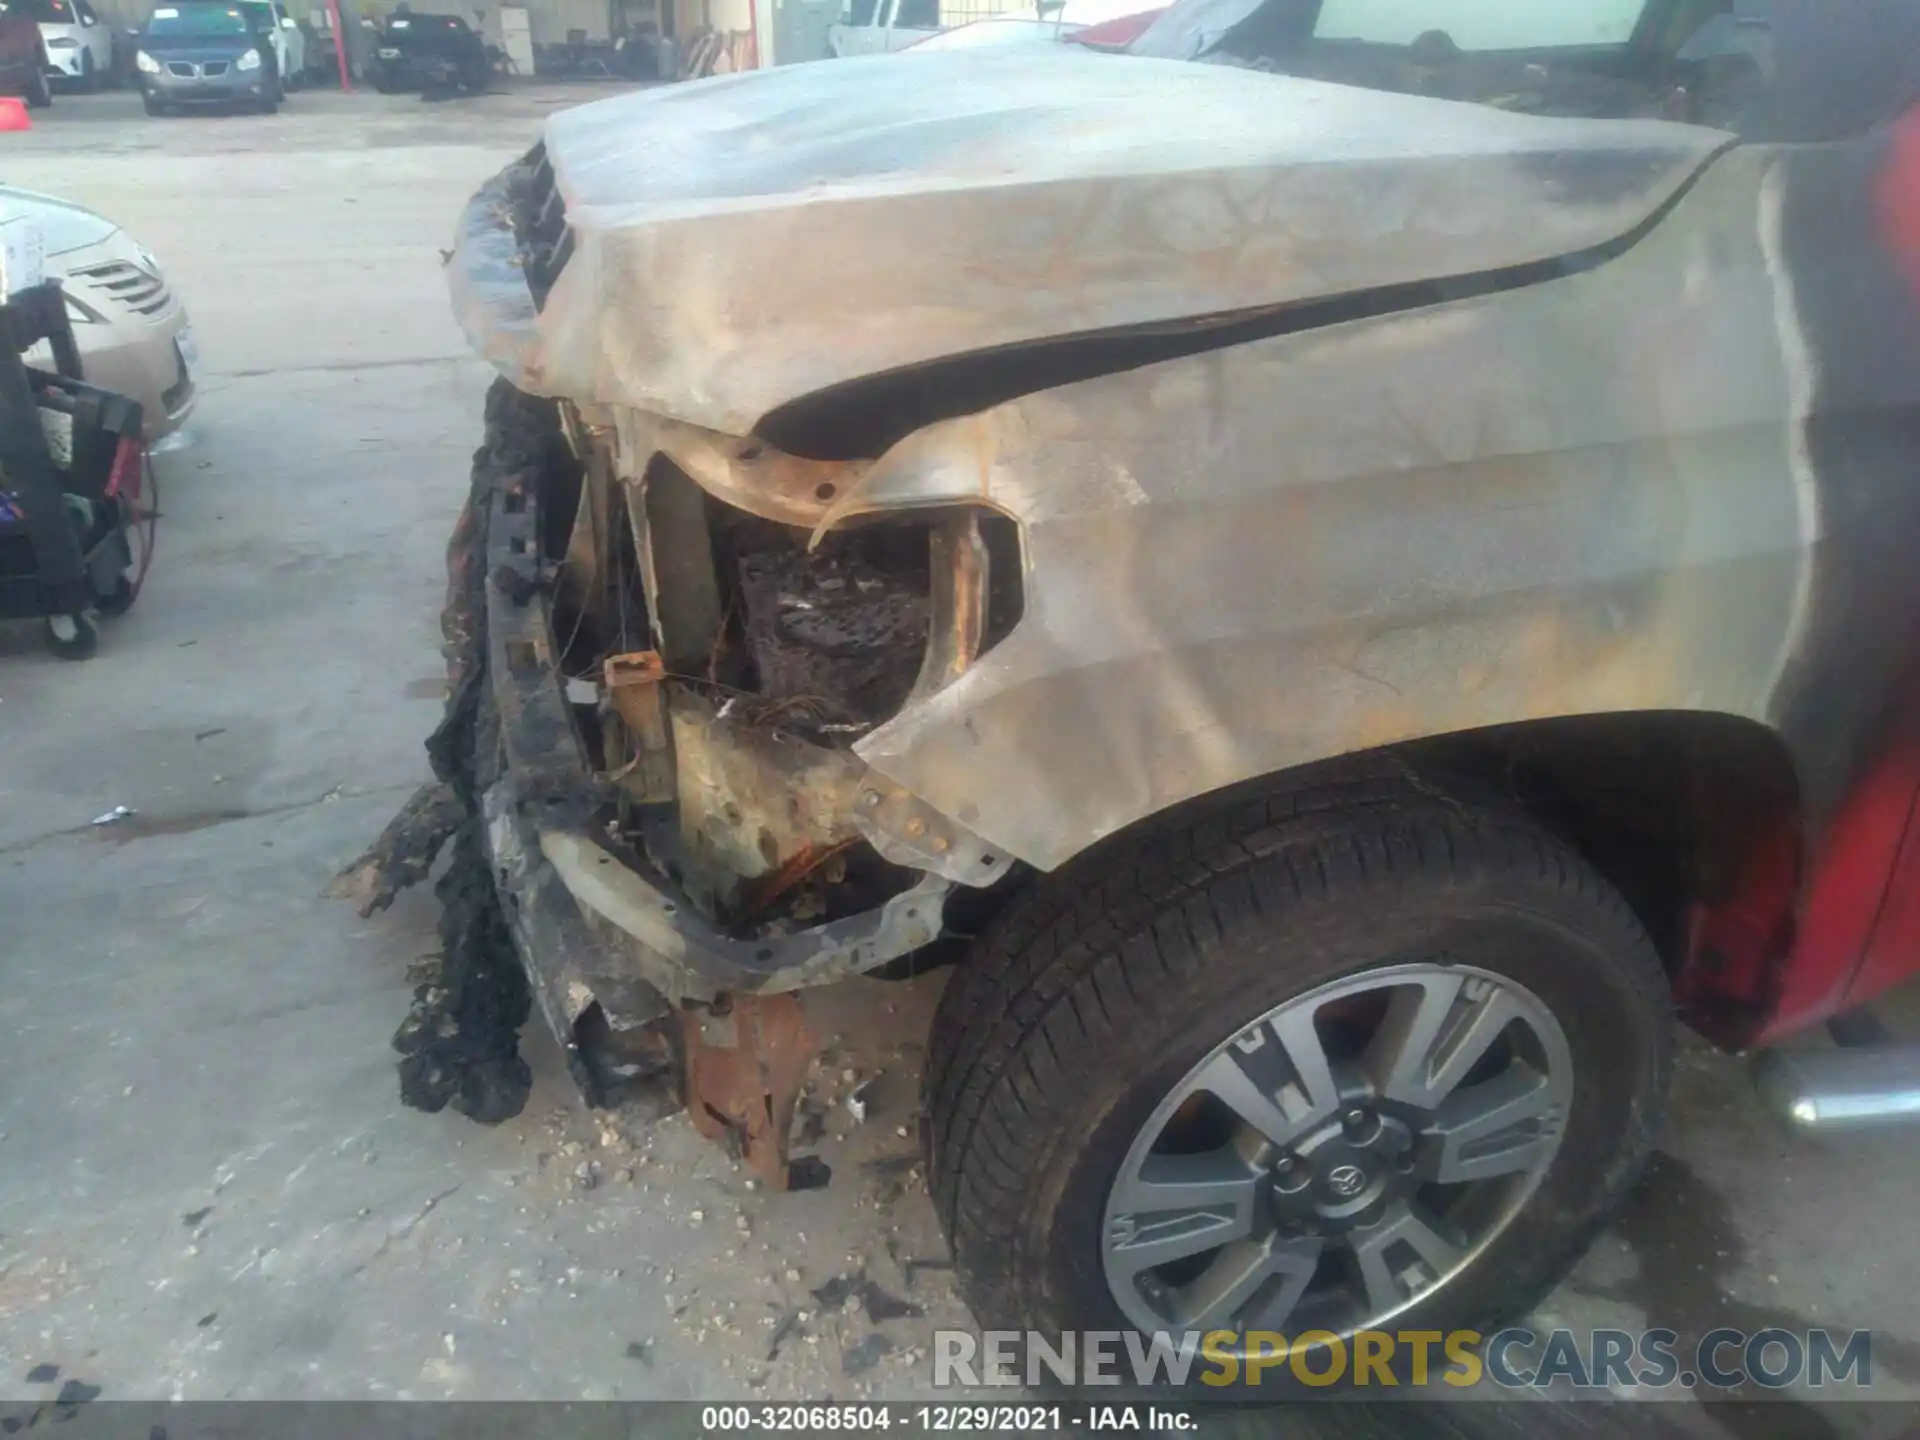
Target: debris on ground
{"type": "Point", "coordinates": [859, 1358]}
{"type": "Point", "coordinates": [837, 1291]}
{"type": "Point", "coordinates": [880, 1306]}
{"type": "Point", "coordinates": [115, 815]}
{"type": "Point", "coordinates": [787, 1324]}
{"type": "Point", "coordinates": [810, 1122]}
{"type": "Point", "coordinates": [857, 1099]}
{"type": "Point", "coordinates": [910, 1267]}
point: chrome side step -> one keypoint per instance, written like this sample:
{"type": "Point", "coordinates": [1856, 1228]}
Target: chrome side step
{"type": "Point", "coordinates": [1829, 1091]}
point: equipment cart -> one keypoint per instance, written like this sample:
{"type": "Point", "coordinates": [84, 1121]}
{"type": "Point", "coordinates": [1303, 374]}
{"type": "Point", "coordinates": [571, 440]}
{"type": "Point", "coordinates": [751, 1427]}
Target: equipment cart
{"type": "Point", "coordinates": [77, 502]}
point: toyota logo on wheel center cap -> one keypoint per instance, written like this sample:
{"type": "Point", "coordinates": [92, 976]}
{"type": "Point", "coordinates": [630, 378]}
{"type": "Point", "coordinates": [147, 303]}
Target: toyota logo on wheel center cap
{"type": "Point", "coordinates": [1346, 1181]}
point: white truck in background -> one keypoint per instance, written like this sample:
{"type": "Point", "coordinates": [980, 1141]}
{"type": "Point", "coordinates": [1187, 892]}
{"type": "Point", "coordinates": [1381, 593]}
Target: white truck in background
{"type": "Point", "coordinates": [877, 27]}
{"type": "Point", "coordinates": [880, 27]}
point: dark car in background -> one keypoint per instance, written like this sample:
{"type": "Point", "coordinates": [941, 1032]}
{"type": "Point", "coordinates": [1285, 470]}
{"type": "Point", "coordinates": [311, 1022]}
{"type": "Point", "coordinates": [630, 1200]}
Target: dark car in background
{"type": "Point", "coordinates": [203, 52]}
{"type": "Point", "coordinates": [23, 56]}
{"type": "Point", "coordinates": [427, 52]}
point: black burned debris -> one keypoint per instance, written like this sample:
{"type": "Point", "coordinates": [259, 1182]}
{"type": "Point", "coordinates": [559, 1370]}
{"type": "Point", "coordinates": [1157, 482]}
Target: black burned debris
{"type": "Point", "coordinates": [404, 854]}
{"type": "Point", "coordinates": [459, 1044]}
{"type": "Point", "coordinates": [837, 631]}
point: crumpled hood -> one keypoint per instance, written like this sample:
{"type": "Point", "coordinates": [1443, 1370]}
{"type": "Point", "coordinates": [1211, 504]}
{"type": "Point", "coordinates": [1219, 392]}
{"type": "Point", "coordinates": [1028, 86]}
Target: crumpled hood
{"type": "Point", "coordinates": [743, 241]}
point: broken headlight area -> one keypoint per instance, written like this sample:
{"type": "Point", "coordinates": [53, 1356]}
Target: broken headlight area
{"type": "Point", "coordinates": [726, 660]}
{"type": "Point", "coordinates": [657, 694]}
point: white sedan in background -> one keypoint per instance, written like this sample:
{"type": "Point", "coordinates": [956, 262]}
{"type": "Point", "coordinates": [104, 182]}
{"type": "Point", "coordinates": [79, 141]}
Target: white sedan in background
{"type": "Point", "coordinates": [79, 43]}
{"type": "Point", "coordinates": [131, 329]}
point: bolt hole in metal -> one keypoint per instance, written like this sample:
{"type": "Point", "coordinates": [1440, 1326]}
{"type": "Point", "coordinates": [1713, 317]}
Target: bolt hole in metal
{"type": "Point", "coordinates": [1343, 1156]}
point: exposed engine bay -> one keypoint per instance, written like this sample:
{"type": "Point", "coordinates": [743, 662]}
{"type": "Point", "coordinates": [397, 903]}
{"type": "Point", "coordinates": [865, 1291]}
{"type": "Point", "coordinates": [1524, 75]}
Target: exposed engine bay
{"type": "Point", "coordinates": [735, 659]}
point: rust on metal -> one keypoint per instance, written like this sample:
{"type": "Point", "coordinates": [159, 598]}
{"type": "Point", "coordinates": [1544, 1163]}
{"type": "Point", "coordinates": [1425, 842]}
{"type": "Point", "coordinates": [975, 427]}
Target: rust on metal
{"type": "Point", "coordinates": [633, 692]}
{"type": "Point", "coordinates": [760, 478]}
{"type": "Point", "coordinates": [771, 886]}
{"type": "Point", "coordinates": [751, 799]}
{"type": "Point", "coordinates": [958, 564]}
{"type": "Point", "coordinates": [744, 1070]}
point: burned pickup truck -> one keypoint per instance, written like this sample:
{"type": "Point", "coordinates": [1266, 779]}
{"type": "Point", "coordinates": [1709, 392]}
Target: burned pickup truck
{"type": "Point", "coordinates": [1341, 585]}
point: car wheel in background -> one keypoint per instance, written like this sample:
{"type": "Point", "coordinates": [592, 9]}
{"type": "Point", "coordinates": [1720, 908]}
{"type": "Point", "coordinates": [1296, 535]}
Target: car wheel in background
{"type": "Point", "coordinates": [154, 106]}
{"type": "Point", "coordinates": [118, 600]}
{"type": "Point", "coordinates": [89, 77]}
{"type": "Point", "coordinates": [1332, 1058]}
{"type": "Point", "coordinates": [70, 637]}
{"type": "Point", "coordinates": [40, 90]}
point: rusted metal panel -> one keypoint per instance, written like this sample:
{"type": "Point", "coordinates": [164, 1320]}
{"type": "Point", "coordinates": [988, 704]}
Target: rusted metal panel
{"type": "Point", "coordinates": [755, 476]}
{"type": "Point", "coordinates": [633, 686]}
{"type": "Point", "coordinates": [752, 798]}
{"type": "Point", "coordinates": [913, 223]}
{"type": "Point", "coordinates": [744, 1069]}
{"type": "Point", "coordinates": [960, 571]}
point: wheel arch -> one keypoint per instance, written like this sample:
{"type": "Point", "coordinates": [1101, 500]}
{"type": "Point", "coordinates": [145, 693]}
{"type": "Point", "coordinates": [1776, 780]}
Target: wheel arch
{"type": "Point", "coordinates": [1683, 812]}
{"type": "Point", "coordinates": [1694, 816]}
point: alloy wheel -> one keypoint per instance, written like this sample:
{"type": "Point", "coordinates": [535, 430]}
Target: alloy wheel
{"type": "Point", "coordinates": [1346, 1154]}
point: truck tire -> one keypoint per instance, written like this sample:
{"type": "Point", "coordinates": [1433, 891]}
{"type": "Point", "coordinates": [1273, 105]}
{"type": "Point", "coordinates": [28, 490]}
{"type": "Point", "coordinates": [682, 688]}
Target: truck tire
{"type": "Point", "coordinates": [1398, 983]}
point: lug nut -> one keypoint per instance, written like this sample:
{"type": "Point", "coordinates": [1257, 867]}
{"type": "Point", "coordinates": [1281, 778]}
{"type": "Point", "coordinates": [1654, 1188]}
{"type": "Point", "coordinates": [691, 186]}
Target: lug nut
{"type": "Point", "coordinates": [1291, 1177]}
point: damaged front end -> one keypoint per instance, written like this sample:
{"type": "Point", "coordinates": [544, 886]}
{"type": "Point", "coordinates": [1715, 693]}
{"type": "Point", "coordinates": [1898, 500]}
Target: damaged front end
{"type": "Point", "coordinates": [663, 645]}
